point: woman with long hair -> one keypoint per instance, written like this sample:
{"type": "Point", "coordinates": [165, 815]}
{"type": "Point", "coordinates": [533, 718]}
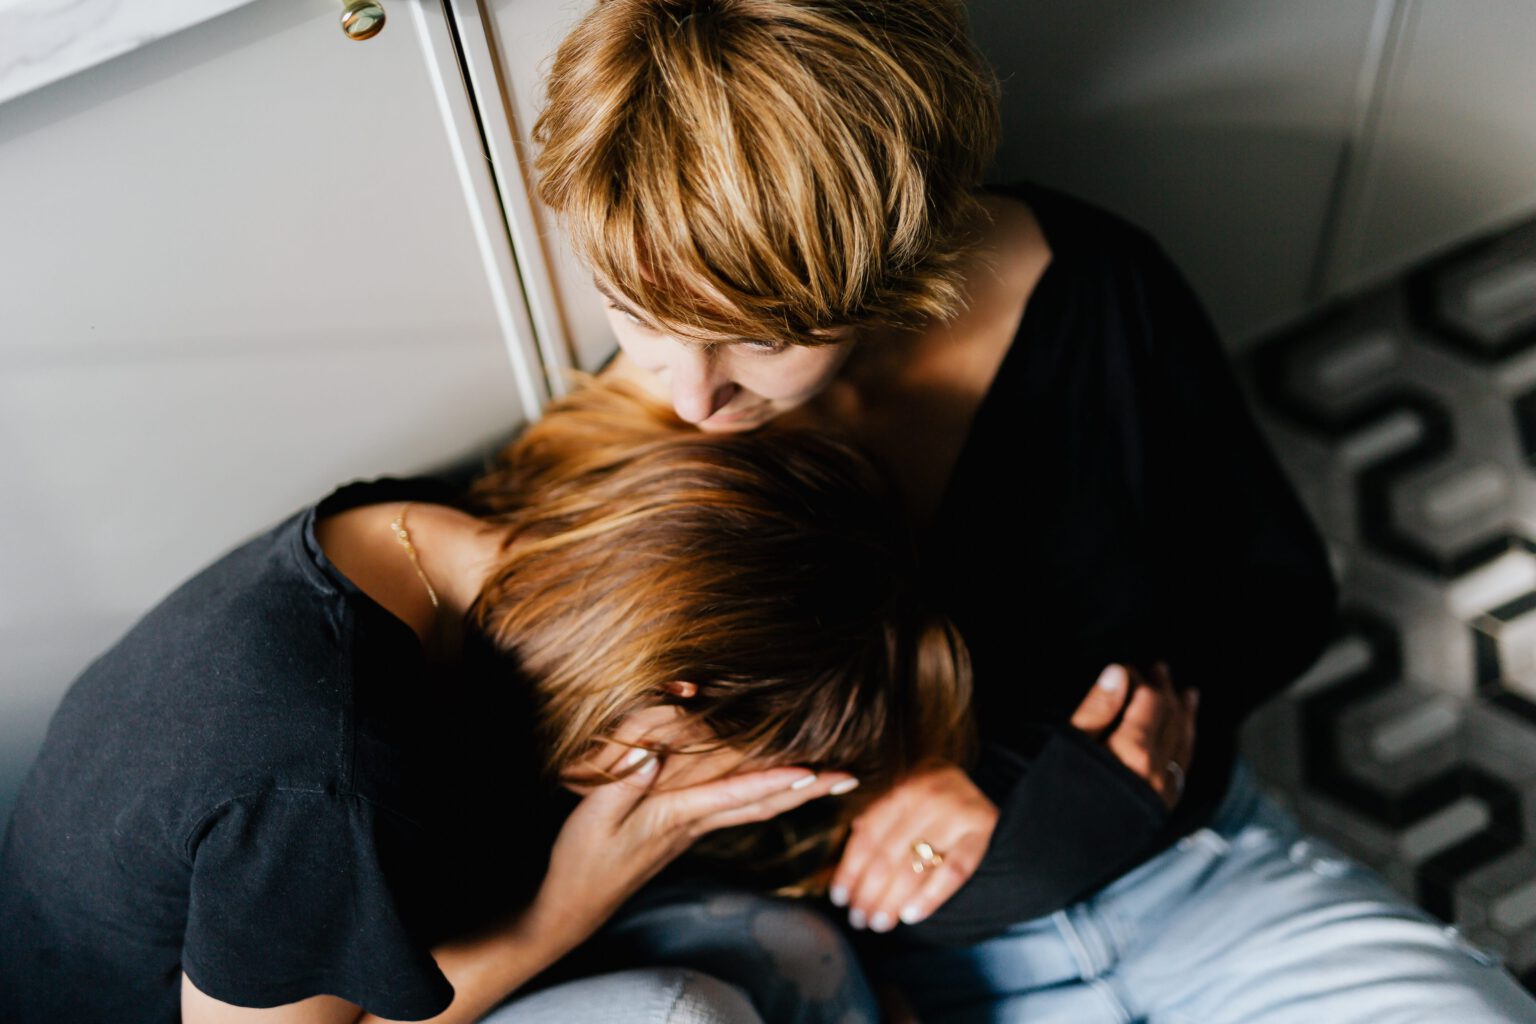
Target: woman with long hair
{"type": "Point", "coordinates": [781, 203]}
{"type": "Point", "coordinates": [406, 751]}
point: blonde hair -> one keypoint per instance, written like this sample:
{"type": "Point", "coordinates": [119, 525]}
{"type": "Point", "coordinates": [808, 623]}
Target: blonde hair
{"type": "Point", "coordinates": [770, 169]}
{"type": "Point", "coordinates": [773, 569]}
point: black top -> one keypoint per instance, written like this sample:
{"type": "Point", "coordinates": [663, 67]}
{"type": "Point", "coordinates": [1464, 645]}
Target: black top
{"type": "Point", "coordinates": [1114, 501]}
{"type": "Point", "coordinates": [266, 785]}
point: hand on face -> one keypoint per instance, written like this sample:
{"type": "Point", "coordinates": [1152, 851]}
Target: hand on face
{"type": "Point", "coordinates": [1156, 731]}
{"type": "Point", "coordinates": [622, 833]}
{"type": "Point", "coordinates": [876, 878]}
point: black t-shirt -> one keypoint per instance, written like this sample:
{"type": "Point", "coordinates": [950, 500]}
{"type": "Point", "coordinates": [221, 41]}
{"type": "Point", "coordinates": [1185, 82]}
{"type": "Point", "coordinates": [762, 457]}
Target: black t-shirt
{"type": "Point", "coordinates": [1114, 501]}
{"type": "Point", "coordinates": [265, 784]}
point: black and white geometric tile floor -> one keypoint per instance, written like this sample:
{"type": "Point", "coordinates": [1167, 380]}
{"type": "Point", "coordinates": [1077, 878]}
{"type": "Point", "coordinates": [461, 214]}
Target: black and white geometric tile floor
{"type": "Point", "coordinates": [1407, 420]}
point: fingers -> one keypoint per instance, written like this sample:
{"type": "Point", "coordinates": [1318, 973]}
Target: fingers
{"type": "Point", "coordinates": [1104, 701]}
{"type": "Point", "coordinates": [618, 798]}
{"type": "Point", "coordinates": [872, 867]}
{"type": "Point", "coordinates": [1179, 735]}
{"type": "Point", "coordinates": [1157, 728]}
{"type": "Point", "coordinates": [868, 841]}
{"type": "Point", "coordinates": [1190, 700]}
{"type": "Point", "coordinates": [774, 802]}
{"type": "Point", "coordinates": [910, 895]}
{"type": "Point", "coordinates": [875, 877]}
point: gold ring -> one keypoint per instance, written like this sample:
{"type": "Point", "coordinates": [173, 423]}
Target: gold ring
{"type": "Point", "coordinates": [924, 856]}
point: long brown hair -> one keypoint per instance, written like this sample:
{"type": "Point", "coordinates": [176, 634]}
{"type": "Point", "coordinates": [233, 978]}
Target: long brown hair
{"type": "Point", "coordinates": [773, 569]}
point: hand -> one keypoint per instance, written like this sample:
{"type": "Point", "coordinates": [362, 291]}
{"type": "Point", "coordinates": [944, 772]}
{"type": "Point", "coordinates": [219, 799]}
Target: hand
{"type": "Point", "coordinates": [622, 833]}
{"type": "Point", "coordinates": [1158, 726]}
{"type": "Point", "coordinates": [937, 803]}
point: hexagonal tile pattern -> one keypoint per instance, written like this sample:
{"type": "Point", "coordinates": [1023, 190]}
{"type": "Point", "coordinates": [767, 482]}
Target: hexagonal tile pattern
{"type": "Point", "coordinates": [1407, 419]}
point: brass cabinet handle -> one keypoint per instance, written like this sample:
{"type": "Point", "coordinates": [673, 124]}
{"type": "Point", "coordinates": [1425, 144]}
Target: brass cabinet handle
{"type": "Point", "coordinates": [362, 19]}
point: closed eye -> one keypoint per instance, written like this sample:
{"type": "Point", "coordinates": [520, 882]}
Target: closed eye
{"type": "Point", "coordinates": [767, 348]}
{"type": "Point", "coordinates": [627, 314]}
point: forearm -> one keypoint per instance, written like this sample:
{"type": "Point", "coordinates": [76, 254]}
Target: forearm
{"type": "Point", "coordinates": [487, 968]}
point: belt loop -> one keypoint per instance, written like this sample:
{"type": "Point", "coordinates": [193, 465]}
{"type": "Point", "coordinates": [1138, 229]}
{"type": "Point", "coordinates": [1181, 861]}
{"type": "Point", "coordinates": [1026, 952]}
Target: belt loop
{"type": "Point", "coordinates": [1091, 946]}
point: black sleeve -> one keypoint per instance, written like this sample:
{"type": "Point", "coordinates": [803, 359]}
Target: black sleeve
{"type": "Point", "coordinates": [292, 896]}
{"type": "Point", "coordinates": [1252, 598]}
{"type": "Point", "coordinates": [1246, 602]}
{"type": "Point", "coordinates": [1070, 820]}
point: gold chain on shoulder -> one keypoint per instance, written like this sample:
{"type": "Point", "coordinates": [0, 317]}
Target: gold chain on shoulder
{"type": "Point", "coordinates": [404, 537]}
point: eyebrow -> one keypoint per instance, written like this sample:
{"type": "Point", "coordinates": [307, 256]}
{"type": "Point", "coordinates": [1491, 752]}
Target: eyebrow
{"type": "Point", "coordinates": [608, 294]}
{"type": "Point", "coordinates": [619, 303]}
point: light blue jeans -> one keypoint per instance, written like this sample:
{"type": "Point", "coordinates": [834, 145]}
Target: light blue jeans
{"type": "Point", "coordinates": [1248, 920]}
{"type": "Point", "coordinates": [685, 951]}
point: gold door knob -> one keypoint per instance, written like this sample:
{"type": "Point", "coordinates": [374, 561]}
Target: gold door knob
{"type": "Point", "coordinates": [362, 19]}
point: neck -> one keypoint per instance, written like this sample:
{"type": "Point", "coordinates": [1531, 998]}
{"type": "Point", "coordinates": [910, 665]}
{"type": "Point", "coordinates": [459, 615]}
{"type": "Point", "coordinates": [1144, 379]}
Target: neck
{"type": "Point", "coordinates": [456, 552]}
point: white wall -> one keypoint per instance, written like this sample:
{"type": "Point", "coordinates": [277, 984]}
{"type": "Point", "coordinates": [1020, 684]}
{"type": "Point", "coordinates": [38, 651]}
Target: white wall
{"type": "Point", "coordinates": [1218, 126]}
{"type": "Point", "coordinates": [1451, 150]}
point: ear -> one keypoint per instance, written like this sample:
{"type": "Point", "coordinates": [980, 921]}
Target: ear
{"type": "Point", "coordinates": [680, 688]}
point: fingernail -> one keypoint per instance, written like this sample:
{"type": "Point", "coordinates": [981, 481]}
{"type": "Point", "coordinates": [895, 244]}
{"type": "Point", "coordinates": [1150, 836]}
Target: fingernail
{"type": "Point", "coordinates": [1110, 678]}
{"type": "Point", "coordinates": [846, 786]}
{"type": "Point", "coordinates": [881, 922]}
{"type": "Point", "coordinates": [838, 894]}
{"type": "Point", "coordinates": [648, 766]}
{"type": "Point", "coordinates": [911, 914]}
{"type": "Point", "coordinates": [856, 919]}
{"type": "Point", "coordinates": [803, 781]}
{"type": "Point", "coordinates": [635, 756]}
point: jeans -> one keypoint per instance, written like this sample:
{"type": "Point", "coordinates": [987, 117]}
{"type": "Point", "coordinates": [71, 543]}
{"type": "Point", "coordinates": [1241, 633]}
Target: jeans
{"type": "Point", "coordinates": [1247, 920]}
{"type": "Point", "coordinates": [687, 951]}
{"type": "Point", "coordinates": [640, 995]}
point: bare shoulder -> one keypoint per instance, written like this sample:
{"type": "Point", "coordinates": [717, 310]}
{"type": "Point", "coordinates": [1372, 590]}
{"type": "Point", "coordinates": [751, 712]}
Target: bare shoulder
{"type": "Point", "coordinates": [918, 394]}
{"type": "Point", "coordinates": [1005, 267]}
{"type": "Point", "coordinates": [1018, 245]}
{"type": "Point", "coordinates": [360, 543]}
{"type": "Point", "coordinates": [349, 538]}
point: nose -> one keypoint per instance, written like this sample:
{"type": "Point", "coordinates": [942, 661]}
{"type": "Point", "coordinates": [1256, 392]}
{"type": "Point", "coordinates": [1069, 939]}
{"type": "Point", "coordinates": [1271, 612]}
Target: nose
{"type": "Point", "coordinates": [699, 386]}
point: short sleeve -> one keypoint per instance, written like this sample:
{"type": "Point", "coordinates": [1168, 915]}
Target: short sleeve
{"type": "Point", "coordinates": [296, 893]}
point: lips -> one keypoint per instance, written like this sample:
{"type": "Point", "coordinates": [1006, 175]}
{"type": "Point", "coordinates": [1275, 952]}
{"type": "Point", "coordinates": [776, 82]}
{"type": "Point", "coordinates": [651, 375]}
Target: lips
{"type": "Point", "coordinates": [740, 418]}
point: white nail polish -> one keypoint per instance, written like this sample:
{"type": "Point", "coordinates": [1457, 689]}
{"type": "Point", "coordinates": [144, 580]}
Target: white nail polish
{"type": "Point", "coordinates": [648, 766]}
{"type": "Point", "coordinates": [911, 914]}
{"type": "Point", "coordinates": [846, 786]}
{"type": "Point", "coordinates": [635, 756]}
{"type": "Point", "coordinates": [838, 894]}
{"type": "Point", "coordinates": [856, 919]}
{"type": "Point", "coordinates": [803, 781]}
{"type": "Point", "coordinates": [881, 922]}
{"type": "Point", "coordinates": [1109, 679]}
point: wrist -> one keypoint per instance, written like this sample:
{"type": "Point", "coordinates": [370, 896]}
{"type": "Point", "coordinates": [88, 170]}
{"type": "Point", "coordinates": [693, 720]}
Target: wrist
{"type": "Point", "coordinates": [547, 925]}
